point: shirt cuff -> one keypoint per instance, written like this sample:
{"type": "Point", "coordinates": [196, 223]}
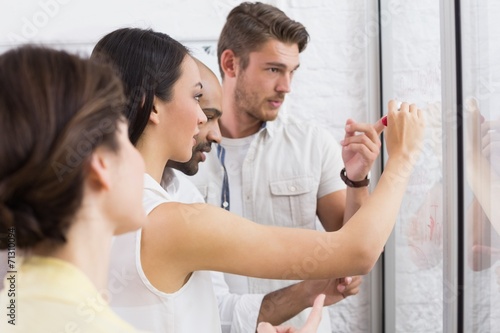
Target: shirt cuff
{"type": "Point", "coordinates": [245, 313]}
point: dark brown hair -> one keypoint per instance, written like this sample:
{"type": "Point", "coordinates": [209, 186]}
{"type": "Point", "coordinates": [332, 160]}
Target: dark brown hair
{"type": "Point", "coordinates": [249, 25]}
{"type": "Point", "coordinates": [149, 64]}
{"type": "Point", "coordinates": [55, 109]}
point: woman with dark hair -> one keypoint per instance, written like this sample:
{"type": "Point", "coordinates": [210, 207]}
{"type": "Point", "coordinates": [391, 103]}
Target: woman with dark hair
{"type": "Point", "coordinates": [165, 263]}
{"type": "Point", "coordinates": [69, 180]}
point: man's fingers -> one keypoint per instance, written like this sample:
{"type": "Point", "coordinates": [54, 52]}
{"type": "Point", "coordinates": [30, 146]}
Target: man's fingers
{"type": "Point", "coordinates": [345, 280]}
{"type": "Point", "coordinates": [351, 288]}
{"type": "Point", "coordinates": [380, 125]}
{"type": "Point", "coordinates": [356, 282]}
{"type": "Point", "coordinates": [348, 130]}
{"type": "Point", "coordinates": [372, 132]}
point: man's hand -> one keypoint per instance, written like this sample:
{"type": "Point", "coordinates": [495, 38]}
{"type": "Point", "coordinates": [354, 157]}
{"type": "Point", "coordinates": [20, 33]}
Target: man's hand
{"type": "Point", "coordinates": [283, 304]}
{"type": "Point", "coordinates": [334, 289]}
{"type": "Point", "coordinates": [311, 325]}
{"type": "Point", "coordinates": [360, 148]}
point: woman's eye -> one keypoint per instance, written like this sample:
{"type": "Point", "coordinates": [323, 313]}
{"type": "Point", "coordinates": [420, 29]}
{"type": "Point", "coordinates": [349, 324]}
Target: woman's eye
{"type": "Point", "coordinates": [197, 97]}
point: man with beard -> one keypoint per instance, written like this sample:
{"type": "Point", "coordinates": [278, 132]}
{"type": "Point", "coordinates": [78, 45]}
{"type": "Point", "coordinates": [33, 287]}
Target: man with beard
{"type": "Point", "coordinates": [240, 312]}
{"type": "Point", "coordinates": [271, 168]}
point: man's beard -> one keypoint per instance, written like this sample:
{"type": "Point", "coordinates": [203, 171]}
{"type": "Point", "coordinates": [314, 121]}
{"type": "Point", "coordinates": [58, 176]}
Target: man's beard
{"type": "Point", "coordinates": [248, 103]}
{"type": "Point", "coordinates": [191, 167]}
{"type": "Point", "coordinates": [244, 100]}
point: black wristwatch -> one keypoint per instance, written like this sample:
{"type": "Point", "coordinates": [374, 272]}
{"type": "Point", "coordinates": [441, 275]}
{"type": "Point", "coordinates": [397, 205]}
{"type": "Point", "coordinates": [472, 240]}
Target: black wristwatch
{"type": "Point", "coordinates": [350, 183]}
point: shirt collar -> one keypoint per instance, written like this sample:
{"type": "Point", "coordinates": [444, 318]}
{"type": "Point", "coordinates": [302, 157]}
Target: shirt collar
{"type": "Point", "coordinates": [270, 126]}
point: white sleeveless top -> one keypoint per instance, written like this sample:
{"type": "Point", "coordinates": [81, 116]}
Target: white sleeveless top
{"type": "Point", "coordinates": [193, 308]}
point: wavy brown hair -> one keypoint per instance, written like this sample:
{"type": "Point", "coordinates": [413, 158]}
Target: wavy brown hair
{"type": "Point", "coordinates": [55, 109]}
{"type": "Point", "coordinates": [250, 25]}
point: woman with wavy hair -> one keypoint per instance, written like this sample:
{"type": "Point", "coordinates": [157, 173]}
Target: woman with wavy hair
{"type": "Point", "coordinates": [69, 180]}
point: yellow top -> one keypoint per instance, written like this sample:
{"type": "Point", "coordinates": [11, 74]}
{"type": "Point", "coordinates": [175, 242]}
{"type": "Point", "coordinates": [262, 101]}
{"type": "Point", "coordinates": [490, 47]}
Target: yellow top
{"type": "Point", "coordinates": [53, 296]}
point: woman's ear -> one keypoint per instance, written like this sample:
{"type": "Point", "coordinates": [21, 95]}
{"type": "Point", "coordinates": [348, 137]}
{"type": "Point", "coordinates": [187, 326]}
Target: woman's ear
{"type": "Point", "coordinates": [100, 170]}
{"type": "Point", "coordinates": [228, 62]}
{"type": "Point", "coordinates": [154, 116]}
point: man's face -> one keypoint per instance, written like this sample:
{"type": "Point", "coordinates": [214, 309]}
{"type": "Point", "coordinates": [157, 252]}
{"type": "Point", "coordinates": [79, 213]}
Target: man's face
{"type": "Point", "coordinates": [261, 88]}
{"type": "Point", "coordinates": [211, 104]}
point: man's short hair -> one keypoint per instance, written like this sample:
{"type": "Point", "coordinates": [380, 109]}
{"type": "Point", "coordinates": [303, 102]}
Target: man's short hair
{"type": "Point", "coordinates": [250, 25]}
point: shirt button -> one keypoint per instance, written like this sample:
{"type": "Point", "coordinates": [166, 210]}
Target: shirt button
{"type": "Point", "coordinates": [293, 188]}
{"type": "Point", "coordinates": [225, 204]}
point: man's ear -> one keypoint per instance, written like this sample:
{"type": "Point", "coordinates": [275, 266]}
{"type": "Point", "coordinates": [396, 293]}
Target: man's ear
{"type": "Point", "coordinates": [154, 116]}
{"type": "Point", "coordinates": [228, 63]}
{"type": "Point", "coordinates": [99, 170]}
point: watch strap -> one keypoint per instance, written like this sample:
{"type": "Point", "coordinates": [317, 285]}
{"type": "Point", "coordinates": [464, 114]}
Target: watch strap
{"type": "Point", "coordinates": [350, 183]}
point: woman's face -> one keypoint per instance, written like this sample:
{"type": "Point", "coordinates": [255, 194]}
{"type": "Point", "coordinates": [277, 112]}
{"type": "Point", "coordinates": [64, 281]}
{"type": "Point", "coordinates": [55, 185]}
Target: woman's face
{"type": "Point", "coordinates": [182, 115]}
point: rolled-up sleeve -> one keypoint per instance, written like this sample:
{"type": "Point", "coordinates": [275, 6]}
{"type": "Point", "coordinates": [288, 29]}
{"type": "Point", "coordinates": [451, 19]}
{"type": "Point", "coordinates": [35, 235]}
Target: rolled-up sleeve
{"type": "Point", "coordinates": [238, 312]}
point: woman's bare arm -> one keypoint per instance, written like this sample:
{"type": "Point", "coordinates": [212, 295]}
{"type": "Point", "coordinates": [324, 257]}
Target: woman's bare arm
{"type": "Point", "coordinates": [185, 238]}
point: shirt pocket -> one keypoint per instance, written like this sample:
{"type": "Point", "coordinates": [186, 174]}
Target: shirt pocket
{"type": "Point", "coordinates": [294, 202]}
